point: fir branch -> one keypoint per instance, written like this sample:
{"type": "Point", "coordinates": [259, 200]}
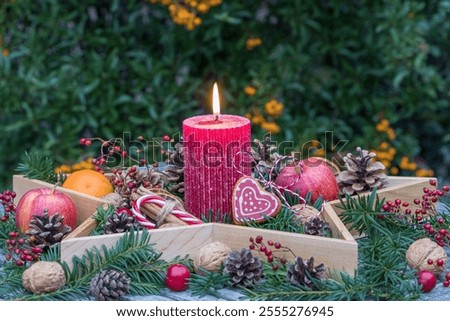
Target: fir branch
{"type": "Point", "coordinates": [10, 281]}
{"type": "Point", "coordinates": [284, 221]}
{"type": "Point", "coordinates": [38, 166]}
{"type": "Point", "coordinates": [101, 216]}
{"type": "Point", "coordinates": [208, 283]}
{"type": "Point", "coordinates": [130, 251]}
{"type": "Point", "coordinates": [5, 228]}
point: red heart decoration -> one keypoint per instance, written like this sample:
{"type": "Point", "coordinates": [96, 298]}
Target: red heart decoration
{"type": "Point", "coordinates": [252, 203]}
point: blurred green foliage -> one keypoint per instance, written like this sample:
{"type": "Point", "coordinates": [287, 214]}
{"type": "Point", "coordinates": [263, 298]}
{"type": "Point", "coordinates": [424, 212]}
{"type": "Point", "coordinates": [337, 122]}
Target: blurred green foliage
{"type": "Point", "coordinates": [103, 67]}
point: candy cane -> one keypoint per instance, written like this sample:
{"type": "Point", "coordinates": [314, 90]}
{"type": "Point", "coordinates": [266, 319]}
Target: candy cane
{"type": "Point", "coordinates": [142, 219]}
{"type": "Point", "coordinates": [159, 201]}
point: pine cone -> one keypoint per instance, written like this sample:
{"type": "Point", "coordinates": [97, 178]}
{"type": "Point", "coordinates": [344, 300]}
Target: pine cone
{"type": "Point", "coordinates": [128, 180]}
{"type": "Point", "coordinates": [265, 159]}
{"type": "Point", "coordinates": [243, 268]}
{"type": "Point", "coordinates": [109, 285]}
{"type": "Point", "coordinates": [47, 230]}
{"type": "Point", "coordinates": [317, 226]}
{"type": "Point", "coordinates": [119, 223]}
{"type": "Point", "coordinates": [175, 170]}
{"type": "Point", "coordinates": [302, 272]}
{"type": "Point", "coordinates": [362, 174]}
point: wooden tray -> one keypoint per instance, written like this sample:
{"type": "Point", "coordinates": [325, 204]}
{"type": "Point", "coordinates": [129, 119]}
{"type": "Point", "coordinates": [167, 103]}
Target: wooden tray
{"type": "Point", "coordinates": [339, 253]}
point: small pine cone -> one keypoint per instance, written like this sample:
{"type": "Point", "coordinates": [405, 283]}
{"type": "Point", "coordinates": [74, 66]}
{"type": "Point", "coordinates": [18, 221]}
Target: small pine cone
{"type": "Point", "coordinates": [119, 223]}
{"type": "Point", "coordinates": [243, 268]}
{"type": "Point", "coordinates": [362, 174]}
{"type": "Point", "coordinates": [175, 176]}
{"type": "Point", "coordinates": [109, 285]}
{"type": "Point", "coordinates": [45, 230]}
{"type": "Point", "coordinates": [303, 271]}
{"type": "Point", "coordinates": [317, 226]}
{"type": "Point", "coordinates": [176, 156]}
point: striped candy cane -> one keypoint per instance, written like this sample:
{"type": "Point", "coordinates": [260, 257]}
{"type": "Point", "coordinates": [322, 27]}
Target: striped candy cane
{"type": "Point", "coordinates": [141, 218]}
{"type": "Point", "coordinates": [159, 201]}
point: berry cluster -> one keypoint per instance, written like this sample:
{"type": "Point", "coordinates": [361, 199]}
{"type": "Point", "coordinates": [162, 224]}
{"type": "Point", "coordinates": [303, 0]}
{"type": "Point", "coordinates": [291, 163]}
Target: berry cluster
{"type": "Point", "coordinates": [423, 212]}
{"type": "Point", "coordinates": [438, 262]}
{"type": "Point", "coordinates": [126, 181]}
{"type": "Point", "coordinates": [114, 150]}
{"type": "Point", "coordinates": [19, 250]}
{"type": "Point", "coordinates": [264, 249]}
{"type": "Point", "coordinates": [7, 200]}
{"type": "Point", "coordinates": [446, 283]}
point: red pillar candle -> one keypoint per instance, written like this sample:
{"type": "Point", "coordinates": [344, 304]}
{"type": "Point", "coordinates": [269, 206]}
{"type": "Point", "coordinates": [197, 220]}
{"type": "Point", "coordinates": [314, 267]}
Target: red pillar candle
{"type": "Point", "coordinates": [215, 149]}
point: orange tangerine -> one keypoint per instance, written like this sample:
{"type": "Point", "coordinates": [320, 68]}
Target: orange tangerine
{"type": "Point", "coordinates": [89, 182]}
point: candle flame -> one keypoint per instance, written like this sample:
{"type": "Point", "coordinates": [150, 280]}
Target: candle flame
{"type": "Point", "coordinates": [216, 100]}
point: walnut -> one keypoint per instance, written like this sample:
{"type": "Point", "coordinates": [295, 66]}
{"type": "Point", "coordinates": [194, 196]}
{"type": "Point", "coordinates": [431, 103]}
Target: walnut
{"type": "Point", "coordinates": [305, 212]}
{"type": "Point", "coordinates": [210, 257]}
{"type": "Point", "coordinates": [423, 250]}
{"type": "Point", "coordinates": [43, 277]}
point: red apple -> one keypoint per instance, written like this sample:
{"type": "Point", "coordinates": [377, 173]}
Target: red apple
{"type": "Point", "coordinates": [428, 280]}
{"type": "Point", "coordinates": [35, 201]}
{"type": "Point", "coordinates": [310, 175]}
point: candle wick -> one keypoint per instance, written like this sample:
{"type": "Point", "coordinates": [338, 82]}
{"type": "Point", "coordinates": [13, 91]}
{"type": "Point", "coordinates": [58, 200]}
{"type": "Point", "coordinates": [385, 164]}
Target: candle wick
{"type": "Point", "coordinates": [217, 118]}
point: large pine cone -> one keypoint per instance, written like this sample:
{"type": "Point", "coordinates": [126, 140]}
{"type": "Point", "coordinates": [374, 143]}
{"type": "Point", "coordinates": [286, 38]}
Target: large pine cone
{"type": "Point", "coordinates": [317, 226]}
{"type": "Point", "coordinates": [302, 272]}
{"type": "Point", "coordinates": [45, 230]}
{"type": "Point", "coordinates": [362, 174]}
{"type": "Point", "coordinates": [120, 223]}
{"type": "Point", "coordinates": [243, 268]}
{"type": "Point", "coordinates": [109, 285]}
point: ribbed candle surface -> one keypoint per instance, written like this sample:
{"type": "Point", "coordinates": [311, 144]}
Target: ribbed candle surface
{"type": "Point", "coordinates": [214, 156]}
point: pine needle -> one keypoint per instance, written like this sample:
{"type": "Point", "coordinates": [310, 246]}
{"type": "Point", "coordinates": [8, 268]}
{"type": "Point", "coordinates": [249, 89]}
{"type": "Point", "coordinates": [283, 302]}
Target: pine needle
{"type": "Point", "coordinates": [40, 167]}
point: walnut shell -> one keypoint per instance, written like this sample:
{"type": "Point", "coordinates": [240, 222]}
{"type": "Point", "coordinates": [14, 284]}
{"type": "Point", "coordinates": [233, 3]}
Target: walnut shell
{"type": "Point", "coordinates": [421, 251]}
{"type": "Point", "coordinates": [210, 257]}
{"type": "Point", "coordinates": [305, 212]}
{"type": "Point", "coordinates": [43, 277]}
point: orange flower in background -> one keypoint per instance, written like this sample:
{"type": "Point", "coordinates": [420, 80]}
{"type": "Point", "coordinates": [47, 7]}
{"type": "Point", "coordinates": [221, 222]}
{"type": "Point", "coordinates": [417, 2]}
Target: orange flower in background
{"type": "Point", "coordinates": [424, 172]}
{"type": "Point", "coordinates": [273, 108]}
{"type": "Point", "coordinates": [394, 170]}
{"type": "Point", "coordinates": [271, 127]}
{"type": "Point", "coordinates": [252, 43]}
{"type": "Point", "coordinates": [250, 90]}
{"type": "Point", "coordinates": [258, 120]}
{"type": "Point", "coordinates": [5, 52]}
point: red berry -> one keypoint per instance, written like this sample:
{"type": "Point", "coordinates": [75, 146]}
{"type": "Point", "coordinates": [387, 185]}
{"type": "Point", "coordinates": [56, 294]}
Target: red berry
{"type": "Point", "coordinates": [427, 280]}
{"type": "Point", "coordinates": [416, 201]}
{"type": "Point", "coordinates": [277, 245]}
{"type": "Point", "coordinates": [166, 138]}
{"type": "Point", "coordinates": [19, 263]}
{"type": "Point", "coordinates": [283, 260]}
{"type": "Point", "coordinates": [275, 267]}
{"type": "Point", "coordinates": [440, 193]}
{"type": "Point", "coordinates": [258, 239]}
{"type": "Point", "coordinates": [431, 230]}
{"type": "Point", "coordinates": [8, 257]}
{"type": "Point", "coordinates": [440, 262]}
{"type": "Point", "coordinates": [425, 190]}
{"type": "Point", "coordinates": [440, 220]}
{"type": "Point", "coordinates": [432, 182]}
{"type": "Point", "coordinates": [430, 262]}
{"type": "Point", "coordinates": [82, 141]}
{"type": "Point", "coordinates": [408, 211]}
{"type": "Point", "coordinates": [88, 142]}
{"type": "Point", "coordinates": [270, 242]}
{"type": "Point", "coordinates": [419, 218]}
{"type": "Point", "coordinates": [442, 231]}
{"type": "Point", "coordinates": [177, 277]}
{"type": "Point", "coordinates": [390, 203]}
{"type": "Point", "coordinates": [434, 199]}
{"type": "Point", "coordinates": [438, 237]}
{"type": "Point", "coordinates": [386, 208]}
{"type": "Point", "coordinates": [124, 154]}
{"type": "Point", "coordinates": [143, 161]}
{"type": "Point", "coordinates": [446, 283]}
{"type": "Point", "coordinates": [270, 259]}
{"type": "Point", "coordinates": [447, 276]}
{"type": "Point", "coordinates": [141, 138]}
{"type": "Point", "coordinates": [427, 226]}
{"type": "Point", "coordinates": [405, 204]}
{"type": "Point", "coordinates": [445, 188]}
{"type": "Point", "coordinates": [251, 240]}
{"type": "Point", "coordinates": [398, 201]}
{"type": "Point", "coordinates": [251, 246]}
{"type": "Point", "coordinates": [263, 248]}
{"type": "Point", "coordinates": [268, 252]}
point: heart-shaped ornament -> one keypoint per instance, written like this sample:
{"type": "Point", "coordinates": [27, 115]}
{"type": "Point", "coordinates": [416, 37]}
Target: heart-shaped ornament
{"type": "Point", "coordinates": [252, 203]}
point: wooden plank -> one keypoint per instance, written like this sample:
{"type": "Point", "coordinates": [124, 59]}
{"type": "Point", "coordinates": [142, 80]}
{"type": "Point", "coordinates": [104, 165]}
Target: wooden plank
{"type": "Point", "coordinates": [338, 255]}
{"type": "Point", "coordinates": [86, 205]}
{"type": "Point", "coordinates": [172, 242]}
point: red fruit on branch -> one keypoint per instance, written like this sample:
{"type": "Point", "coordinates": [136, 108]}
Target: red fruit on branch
{"type": "Point", "coordinates": [177, 277]}
{"type": "Point", "coordinates": [35, 201]}
{"type": "Point", "coordinates": [310, 175]}
{"type": "Point", "coordinates": [428, 280]}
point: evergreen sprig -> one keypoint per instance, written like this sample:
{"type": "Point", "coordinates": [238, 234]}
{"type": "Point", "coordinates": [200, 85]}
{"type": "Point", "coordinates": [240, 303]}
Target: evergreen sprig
{"type": "Point", "coordinates": [38, 166]}
{"type": "Point", "coordinates": [101, 216]}
{"type": "Point", "coordinates": [208, 283]}
{"type": "Point", "coordinates": [284, 221]}
{"type": "Point", "coordinates": [132, 254]}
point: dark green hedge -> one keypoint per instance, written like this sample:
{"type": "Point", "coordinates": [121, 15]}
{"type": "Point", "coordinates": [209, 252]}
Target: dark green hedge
{"type": "Point", "coordinates": [100, 68]}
